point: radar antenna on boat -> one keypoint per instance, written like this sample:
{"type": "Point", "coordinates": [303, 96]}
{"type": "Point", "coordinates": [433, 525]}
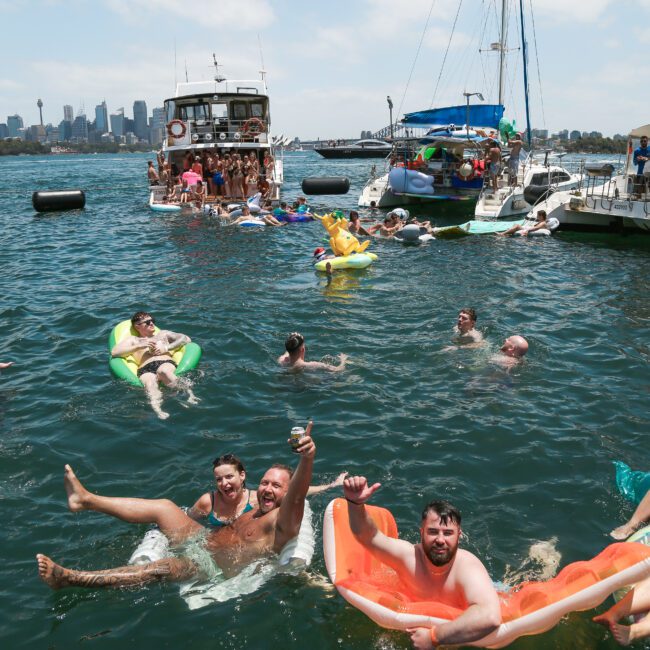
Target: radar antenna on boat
{"type": "Point", "coordinates": [217, 76]}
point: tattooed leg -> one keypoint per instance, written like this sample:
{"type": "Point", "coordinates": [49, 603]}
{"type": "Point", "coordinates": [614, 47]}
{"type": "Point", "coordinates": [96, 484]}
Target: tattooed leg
{"type": "Point", "coordinates": [167, 570]}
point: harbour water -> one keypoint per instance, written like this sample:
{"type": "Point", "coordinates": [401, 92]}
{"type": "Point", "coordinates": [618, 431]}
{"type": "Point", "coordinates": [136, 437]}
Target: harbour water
{"type": "Point", "coordinates": [526, 455]}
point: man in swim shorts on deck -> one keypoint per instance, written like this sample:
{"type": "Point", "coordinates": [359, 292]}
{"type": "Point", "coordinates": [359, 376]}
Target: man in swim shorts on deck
{"type": "Point", "coordinates": [153, 353]}
{"type": "Point", "coordinates": [435, 568]}
{"type": "Point", "coordinates": [261, 532]}
{"type": "Point", "coordinates": [294, 357]}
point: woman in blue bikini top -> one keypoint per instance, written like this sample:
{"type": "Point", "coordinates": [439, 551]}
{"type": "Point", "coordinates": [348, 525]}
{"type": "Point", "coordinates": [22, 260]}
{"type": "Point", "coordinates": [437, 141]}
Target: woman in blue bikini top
{"type": "Point", "coordinates": [232, 498]}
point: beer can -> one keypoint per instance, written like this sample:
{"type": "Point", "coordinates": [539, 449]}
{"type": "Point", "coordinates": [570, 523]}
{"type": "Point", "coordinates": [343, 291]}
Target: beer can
{"type": "Point", "coordinates": [296, 434]}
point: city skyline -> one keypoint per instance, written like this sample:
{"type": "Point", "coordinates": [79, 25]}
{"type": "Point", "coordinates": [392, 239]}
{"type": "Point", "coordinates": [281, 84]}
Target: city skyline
{"type": "Point", "coordinates": [331, 68]}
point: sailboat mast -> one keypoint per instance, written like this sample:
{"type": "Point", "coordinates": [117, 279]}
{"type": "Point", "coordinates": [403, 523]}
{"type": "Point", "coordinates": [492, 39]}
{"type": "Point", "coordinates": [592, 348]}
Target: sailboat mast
{"type": "Point", "coordinates": [525, 55]}
{"type": "Point", "coordinates": [502, 51]}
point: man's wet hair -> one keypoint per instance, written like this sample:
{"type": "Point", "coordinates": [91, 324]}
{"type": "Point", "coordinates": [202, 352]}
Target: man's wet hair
{"type": "Point", "coordinates": [294, 341]}
{"type": "Point", "coordinates": [470, 311]}
{"type": "Point", "coordinates": [139, 315]}
{"type": "Point", "coordinates": [286, 468]}
{"type": "Point", "coordinates": [444, 510]}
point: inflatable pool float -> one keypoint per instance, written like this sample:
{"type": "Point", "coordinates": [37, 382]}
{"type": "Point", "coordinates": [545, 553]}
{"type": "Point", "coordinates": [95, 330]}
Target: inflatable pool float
{"type": "Point", "coordinates": [530, 608]}
{"type": "Point", "coordinates": [412, 234]}
{"type": "Point", "coordinates": [251, 222]}
{"type": "Point", "coordinates": [342, 241]}
{"type": "Point", "coordinates": [293, 558]}
{"type": "Point", "coordinates": [641, 536]}
{"type": "Point", "coordinates": [354, 261]}
{"type": "Point", "coordinates": [632, 485]}
{"type": "Point", "coordinates": [163, 207]}
{"type": "Point", "coordinates": [294, 217]}
{"type": "Point", "coordinates": [186, 358]}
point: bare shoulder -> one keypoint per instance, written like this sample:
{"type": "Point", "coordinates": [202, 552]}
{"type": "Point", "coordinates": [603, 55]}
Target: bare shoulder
{"type": "Point", "coordinates": [470, 570]}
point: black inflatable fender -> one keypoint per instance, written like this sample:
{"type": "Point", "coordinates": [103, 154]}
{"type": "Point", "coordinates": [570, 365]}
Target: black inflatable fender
{"type": "Point", "coordinates": [50, 200]}
{"type": "Point", "coordinates": [326, 185]}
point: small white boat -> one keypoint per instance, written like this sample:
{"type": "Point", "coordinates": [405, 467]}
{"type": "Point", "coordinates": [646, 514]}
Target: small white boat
{"type": "Point", "coordinates": [156, 202]}
{"type": "Point", "coordinates": [606, 202]}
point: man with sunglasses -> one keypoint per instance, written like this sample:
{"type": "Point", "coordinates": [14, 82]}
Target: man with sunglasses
{"type": "Point", "coordinates": [152, 352]}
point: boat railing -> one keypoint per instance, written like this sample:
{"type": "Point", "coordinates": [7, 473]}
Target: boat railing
{"type": "Point", "coordinates": [222, 130]}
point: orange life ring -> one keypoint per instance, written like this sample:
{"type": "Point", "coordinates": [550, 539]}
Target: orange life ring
{"type": "Point", "coordinates": [172, 133]}
{"type": "Point", "coordinates": [254, 125]}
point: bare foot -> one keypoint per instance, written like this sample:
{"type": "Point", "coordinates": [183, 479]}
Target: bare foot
{"type": "Point", "coordinates": [163, 415]}
{"type": "Point", "coordinates": [77, 493]}
{"type": "Point", "coordinates": [623, 532]}
{"type": "Point", "coordinates": [49, 572]}
{"type": "Point", "coordinates": [622, 633]}
{"type": "Point", "coordinates": [193, 399]}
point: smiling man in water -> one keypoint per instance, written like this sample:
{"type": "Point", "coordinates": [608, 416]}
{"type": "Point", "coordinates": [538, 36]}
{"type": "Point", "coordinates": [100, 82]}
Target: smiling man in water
{"type": "Point", "coordinates": [152, 352]}
{"type": "Point", "coordinates": [433, 569]}
{"type": "Point", "coordinates": [258, 533]}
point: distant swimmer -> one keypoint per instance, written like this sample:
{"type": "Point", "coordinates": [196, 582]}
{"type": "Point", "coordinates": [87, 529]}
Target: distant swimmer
{"type": "Point", "coordinates": [294, 357]}
{"type": "Point", "coordinates": [640, 516]}
{"type": "Point", "coordinates": [540, 223]}
{"type": "Point", "coordinates": [465, 332]}
{"type": "Point", "coordinates": [258, 533]}
{"type": "Point", "coordinates": [435, 567]}
{"type": "Point", "coordinates": [153, 353]}
{"type": "Point", "coordinates": [355, 226]}
{"type": "Point", "coordinates": [512, 351]}
{"type": "Point", "coordinates": [636, 603]}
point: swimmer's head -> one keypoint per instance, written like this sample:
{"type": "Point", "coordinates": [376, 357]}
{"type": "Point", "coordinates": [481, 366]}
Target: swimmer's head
{"type": "Point", "coordinates": [440, 532]}
{"type": "Point", "coordinates": [273, 487]}
{"type": "Point", "coordinates": [245, 209]}
{"type": "Point", "coordinates": [229, 474]}
{"type": "Point", "coordinates": [319, 254]}
{"type": "Point", "coordinates": [515, 346]}
{"type": "Point", "coordinates": [466, 319]}
{"type": "Point", "coordinates": [541, 215]}
{"type": "Point", "coordinates": [143, 323]}
{"type": "Point", "coordinates": [294, 342]}
{"type": "Point", "coordinates": [354, 215]}
{"type": "Point", "coordinates": [373, 204]}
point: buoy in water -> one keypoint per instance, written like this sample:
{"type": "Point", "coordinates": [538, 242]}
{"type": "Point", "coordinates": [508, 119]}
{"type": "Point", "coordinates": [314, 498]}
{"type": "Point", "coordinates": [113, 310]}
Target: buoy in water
{"type": "Point", "coordinates": [326, 185]}
{"type": "Point", "coordinates": [50, 200]}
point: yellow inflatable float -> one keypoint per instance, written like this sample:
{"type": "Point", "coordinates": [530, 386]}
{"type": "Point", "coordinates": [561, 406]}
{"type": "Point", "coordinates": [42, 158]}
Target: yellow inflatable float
{"type": "Point", "coordinates": [529, 608]}
{"type": "Point", "coordinates": [349, 251]}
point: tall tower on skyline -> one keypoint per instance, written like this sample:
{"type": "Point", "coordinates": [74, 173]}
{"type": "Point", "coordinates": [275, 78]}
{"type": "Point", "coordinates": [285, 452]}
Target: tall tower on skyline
{"type": "Point", "coordinates": [39, 103]}
{"type": "Point", "coordinates": [101, 118]}
{"type": "Point", "coordinates": [68, 113]}
{"type": "Point", "coordinates": [140, 119]}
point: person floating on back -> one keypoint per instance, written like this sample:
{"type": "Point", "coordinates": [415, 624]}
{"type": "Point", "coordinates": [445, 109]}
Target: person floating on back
{"type": "Point", "coordinates": [152, 352]}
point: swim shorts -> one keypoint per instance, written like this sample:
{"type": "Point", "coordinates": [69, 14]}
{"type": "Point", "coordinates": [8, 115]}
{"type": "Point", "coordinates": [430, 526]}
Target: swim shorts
{"type": "Point", "coordinates": [153, 366]}
{"type": "Point", "coordinates": [194, 549]}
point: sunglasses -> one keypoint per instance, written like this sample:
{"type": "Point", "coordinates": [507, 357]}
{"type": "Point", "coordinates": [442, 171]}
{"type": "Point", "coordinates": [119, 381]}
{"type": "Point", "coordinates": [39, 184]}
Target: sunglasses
{"type": "Point", "coordinates": [149, 321]}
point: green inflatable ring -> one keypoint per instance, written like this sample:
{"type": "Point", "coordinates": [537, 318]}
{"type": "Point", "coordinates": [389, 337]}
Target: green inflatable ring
{"type": "Point", "coordinates": [126, 368]}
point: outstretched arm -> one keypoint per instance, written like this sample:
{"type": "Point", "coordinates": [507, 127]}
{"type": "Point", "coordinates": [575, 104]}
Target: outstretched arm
{"type": "Point", "coordinates": [396, 553]}
{"type": "Point", "coordinates": [293, 503]}
{"type": "Point", "coordinates": [640, 515]}
{"type": "Point", "coordinates": [320, 365]}
{"type": "Point", "coordinates": [317, 489]}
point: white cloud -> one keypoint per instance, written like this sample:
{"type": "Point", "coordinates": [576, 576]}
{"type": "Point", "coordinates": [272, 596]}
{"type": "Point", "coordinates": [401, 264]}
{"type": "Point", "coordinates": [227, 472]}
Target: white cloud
{"type": "Point", "coordinates": [577, 11]}
{"type": "Point", "coordinates": [230, 15]}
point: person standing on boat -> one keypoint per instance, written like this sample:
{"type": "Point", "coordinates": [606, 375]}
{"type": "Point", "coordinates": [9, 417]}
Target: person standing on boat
{"type": "Point", "coordinates": [641, 157]}
{"type": "Point", "coordinates": [493, 158]}
{"type": "Point", "coordinates": [513, 161]}
{"type": "Point", "coordinates": [152, 174]}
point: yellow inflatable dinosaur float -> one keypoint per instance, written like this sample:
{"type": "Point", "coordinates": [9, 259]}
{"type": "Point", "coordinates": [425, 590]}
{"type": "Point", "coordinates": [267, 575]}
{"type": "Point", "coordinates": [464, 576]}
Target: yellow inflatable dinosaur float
{"type": "Point", "coordinates": [342, 242]}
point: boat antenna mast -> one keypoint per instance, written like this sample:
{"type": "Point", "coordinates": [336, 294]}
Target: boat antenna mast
{"type": "Point", "coordinates": [218, 77]}
{"type": "Point", "coordinates": [263, 70]}
{"type": "Point", "coordinates": [502, 51]}
{"type": "Point", "coordinates": [525, 55]}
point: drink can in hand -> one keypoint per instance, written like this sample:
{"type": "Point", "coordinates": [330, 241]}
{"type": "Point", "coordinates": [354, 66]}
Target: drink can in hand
{"type": "Point", "coordinates": [296, 434]}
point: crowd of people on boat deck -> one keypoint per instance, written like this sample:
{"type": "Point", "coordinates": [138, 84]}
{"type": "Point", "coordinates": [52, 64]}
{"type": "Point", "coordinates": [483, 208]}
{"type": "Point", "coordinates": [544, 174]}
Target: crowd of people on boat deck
{"type": "Point", "coordinates": [232, 176]}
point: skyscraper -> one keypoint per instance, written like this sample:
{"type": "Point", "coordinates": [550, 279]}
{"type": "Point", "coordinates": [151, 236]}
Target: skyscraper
{"type": "Point", "coordinates": [140, 119]}
{"type": "Point", "coordinates": [68, 113]}
{"type": "Point", "coordinates": [80, 129]}
{"type": "Point", "coordinates": [117, 123]}
{"type": "Point", "coordinates": [14, 123]}
{"type": "Point", "coordinates": [157, 125]}
{"type": "Point", "coordinates": [101, 118]}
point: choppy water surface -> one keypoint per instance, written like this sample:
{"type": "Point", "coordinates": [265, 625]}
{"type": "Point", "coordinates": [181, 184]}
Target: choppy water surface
{"type": "Point", "coordinates": [526, 456]}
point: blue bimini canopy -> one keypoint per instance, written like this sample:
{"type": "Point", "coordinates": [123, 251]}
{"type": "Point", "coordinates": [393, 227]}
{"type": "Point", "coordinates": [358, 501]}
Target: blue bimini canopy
{"type": "Point", "coordinates": [487, 115]}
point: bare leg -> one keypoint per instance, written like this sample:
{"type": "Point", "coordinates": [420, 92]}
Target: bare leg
{"type": "Point", "coordinates": [171, 520]}
{"type": "Point", "coordinates": [167, 570]}
{"type": "Point", "coordinates": [151, 388]}
{"type": "Point", "coordinates": [510, 231]}
{"type": "Point", "coordinates": [167, 376]}
{"type": "Point", "coordinates": [641, 514]}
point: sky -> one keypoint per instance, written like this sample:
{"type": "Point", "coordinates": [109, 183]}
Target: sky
{"type": "Point", "coordinates": [331, 65]}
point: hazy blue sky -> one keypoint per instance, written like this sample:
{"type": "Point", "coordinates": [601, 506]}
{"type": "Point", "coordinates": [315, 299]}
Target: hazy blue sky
{"type": "Point", "coordinates": [330, 64]}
